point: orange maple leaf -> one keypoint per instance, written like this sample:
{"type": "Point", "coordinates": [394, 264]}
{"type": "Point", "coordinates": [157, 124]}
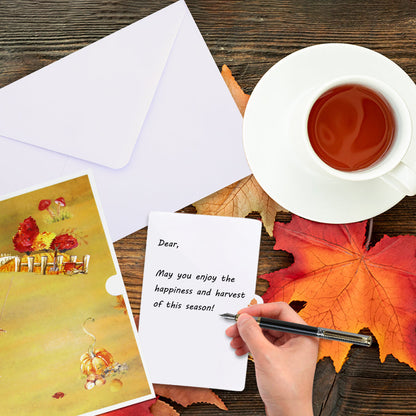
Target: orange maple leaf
{"type": "Point", "coordinates": [245, 196]}
{"type": "Point", "coordinates": [186, 396]}
{"type": "Point", "coordinates": [349, 287]}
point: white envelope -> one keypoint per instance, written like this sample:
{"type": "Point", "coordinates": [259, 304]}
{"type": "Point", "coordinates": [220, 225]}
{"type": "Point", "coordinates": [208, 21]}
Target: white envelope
{"type": "Point", "coordinates": [145, 109]}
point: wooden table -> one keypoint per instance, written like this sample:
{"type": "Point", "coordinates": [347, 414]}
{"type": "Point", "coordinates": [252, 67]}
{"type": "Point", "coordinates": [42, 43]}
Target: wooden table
{"type": "Point", "coordinates": [249, 36]}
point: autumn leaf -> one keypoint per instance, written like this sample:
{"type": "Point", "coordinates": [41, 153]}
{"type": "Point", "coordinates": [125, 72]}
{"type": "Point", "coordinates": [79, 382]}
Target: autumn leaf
{"type": "Point", "coordinates": [349, 287]}
{"type": "Point", "coordinates": [240, 97]}
{"type": "Point", "coordinates": [139, 409]}
{"type": "Point", "coordinates": [161, 408]}
{"type": "Point", "coordinates": [186, 396]}
{"type": "Point", "coordinates": [245, 196]}
{"type": "Point", "coordinates": [240, 199]}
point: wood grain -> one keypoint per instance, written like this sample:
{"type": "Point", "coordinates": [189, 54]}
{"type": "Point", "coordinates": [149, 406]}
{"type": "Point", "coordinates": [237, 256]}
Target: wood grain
{"type": "Point", "coordinates": [249, 36]}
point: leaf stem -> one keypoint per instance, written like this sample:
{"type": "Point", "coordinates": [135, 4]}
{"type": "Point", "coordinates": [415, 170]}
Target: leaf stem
{"type": "Point", "coordinates": [369, 233]}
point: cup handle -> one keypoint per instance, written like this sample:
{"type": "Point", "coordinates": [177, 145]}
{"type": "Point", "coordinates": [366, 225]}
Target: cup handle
{"type": "Point", "coordinates": [402, 178]}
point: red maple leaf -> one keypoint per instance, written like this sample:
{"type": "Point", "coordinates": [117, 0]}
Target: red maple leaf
{"type": "Point", "coordinates": [349, 287]}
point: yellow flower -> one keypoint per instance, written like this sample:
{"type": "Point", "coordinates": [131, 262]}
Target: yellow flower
{"type": "Point", "coordinates": [43, 241]}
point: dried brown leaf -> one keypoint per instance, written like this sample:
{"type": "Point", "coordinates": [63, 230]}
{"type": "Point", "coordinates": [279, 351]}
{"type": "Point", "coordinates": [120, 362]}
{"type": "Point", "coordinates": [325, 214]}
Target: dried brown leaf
{"type": "Point", "coordinates": [240, 199]}
{"type": "Point", "coordinates": [240, 97]}
{"type": "Point", "coordinates": [161, 408]}
{"type": "Point", "coordinates": [186, 396]}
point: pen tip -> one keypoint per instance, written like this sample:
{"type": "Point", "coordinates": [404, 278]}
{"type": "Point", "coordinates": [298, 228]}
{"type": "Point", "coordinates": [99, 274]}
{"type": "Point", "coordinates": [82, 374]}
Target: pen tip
{"type": "Point", "coordinates": [228, 316]}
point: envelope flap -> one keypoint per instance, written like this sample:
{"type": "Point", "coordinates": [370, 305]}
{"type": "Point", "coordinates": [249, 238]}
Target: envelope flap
{"type": "Point", "coordinates": [92, 104]}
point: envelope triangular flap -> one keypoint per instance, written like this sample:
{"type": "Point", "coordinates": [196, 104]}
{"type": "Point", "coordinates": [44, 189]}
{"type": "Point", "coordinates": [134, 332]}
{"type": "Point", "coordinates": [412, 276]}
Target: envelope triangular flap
{"type": "Point", "coordinates": [92, 103]}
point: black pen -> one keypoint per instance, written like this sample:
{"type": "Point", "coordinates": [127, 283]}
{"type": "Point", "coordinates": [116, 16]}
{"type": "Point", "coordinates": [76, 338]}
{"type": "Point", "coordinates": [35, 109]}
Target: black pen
{"type": "Point", "coordinates": [312, 331]}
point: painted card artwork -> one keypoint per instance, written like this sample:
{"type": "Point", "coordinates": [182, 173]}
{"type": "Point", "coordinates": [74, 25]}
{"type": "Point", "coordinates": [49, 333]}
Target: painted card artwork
{"type": "Point", "coordinates": [67, 346]}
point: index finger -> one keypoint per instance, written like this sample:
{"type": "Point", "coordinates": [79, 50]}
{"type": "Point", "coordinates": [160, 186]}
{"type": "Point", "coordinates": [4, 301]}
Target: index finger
{"type": "Point", "coordinates": [274, 310]}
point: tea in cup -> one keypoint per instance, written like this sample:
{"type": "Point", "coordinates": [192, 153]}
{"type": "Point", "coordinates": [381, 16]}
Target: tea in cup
{"type": "Point", "coordinates": [358, 128]}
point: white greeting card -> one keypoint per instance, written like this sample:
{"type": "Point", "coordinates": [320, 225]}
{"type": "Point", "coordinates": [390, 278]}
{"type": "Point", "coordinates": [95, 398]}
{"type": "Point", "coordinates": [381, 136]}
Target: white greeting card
{"type": "Point", "coordinates": [196, 268]}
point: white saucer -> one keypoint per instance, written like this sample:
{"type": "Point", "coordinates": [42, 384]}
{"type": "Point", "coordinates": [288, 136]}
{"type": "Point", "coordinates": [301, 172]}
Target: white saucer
{"type": "Point", "coordinates": [273, 134]}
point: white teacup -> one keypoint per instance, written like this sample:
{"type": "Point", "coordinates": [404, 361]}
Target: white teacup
{"type": "Point", "coordinates": [390, 167]}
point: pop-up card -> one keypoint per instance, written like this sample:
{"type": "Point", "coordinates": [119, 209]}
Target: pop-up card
{"type": "Point", "coordinates": [196, 268]}
{"type": "Point", "coordinates": [67, 336]}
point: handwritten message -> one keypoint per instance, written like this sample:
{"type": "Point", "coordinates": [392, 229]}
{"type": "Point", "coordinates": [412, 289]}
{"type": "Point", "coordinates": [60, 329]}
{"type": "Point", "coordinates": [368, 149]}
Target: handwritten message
{"type": "Point", "coordinates": [204, 279]}
{"type": "Point", "coordinates": [192, 290]}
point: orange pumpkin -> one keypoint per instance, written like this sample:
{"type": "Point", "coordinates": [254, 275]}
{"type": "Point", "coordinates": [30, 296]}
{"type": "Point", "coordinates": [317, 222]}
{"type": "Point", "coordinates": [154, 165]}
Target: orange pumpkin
{"type": "Point", "coordinates": [96, 361]}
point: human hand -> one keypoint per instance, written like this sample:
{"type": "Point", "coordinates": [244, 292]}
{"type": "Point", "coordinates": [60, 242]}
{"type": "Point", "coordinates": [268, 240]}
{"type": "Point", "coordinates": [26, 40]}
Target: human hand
{"type": "Point", "coordinates": [285, 363]}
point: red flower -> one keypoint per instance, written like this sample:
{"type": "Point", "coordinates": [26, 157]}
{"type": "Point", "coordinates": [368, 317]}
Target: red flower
{"type": "Point", "coordinates": [26, 234]}
{"type": "Point", "coordinates": [64, 242]}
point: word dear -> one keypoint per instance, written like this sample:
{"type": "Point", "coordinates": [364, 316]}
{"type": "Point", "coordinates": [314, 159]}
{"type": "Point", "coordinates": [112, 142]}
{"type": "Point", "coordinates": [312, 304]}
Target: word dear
{"type": "Point", "coordinates": [163, 243]}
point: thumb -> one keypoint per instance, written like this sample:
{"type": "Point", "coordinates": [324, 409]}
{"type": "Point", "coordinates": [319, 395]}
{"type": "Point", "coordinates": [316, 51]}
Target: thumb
{"type": "Point", "coordinates": [252, 335]}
